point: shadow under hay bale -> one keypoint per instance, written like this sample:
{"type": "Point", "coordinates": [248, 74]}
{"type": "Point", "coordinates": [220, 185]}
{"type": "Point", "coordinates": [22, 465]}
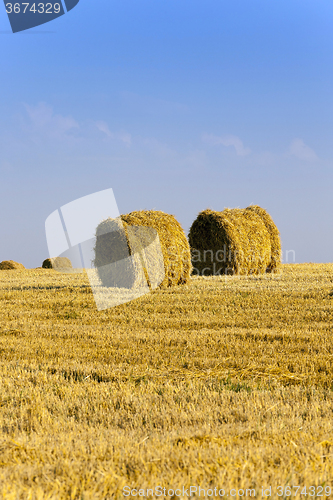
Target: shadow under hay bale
{"type": "Point", "coordinates": [60, 264]}
{"type": "Point", "coordinates": [232, 242]}
{"type": "Point", "coordinates": [10, 265]}
{"type": "Point", "coordinates": [274, 234]}
{"type": "Point", "coordinates": [140, 248]}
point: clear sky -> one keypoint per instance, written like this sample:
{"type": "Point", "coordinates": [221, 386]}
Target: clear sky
{"type": "Point", "coordinates": [178, 105]}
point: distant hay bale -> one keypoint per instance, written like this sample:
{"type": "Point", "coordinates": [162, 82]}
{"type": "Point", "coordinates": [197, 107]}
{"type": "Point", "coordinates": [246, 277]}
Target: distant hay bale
{"type": "Point", "coordinates": [8, 265]}
{"type": "Point", "coordinates": [234, 241]}
{"type": "Point", "coordinates": [61, 264]}
{"type": "Point", "coordinates": [274, 236]}
{"type": "Point", "coordinates": [156, 244]}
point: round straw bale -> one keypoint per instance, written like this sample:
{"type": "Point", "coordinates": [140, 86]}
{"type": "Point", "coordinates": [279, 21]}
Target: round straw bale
{"type": "Point", "coordinates": [234, 241]}
{"type": "Point", "coordinates": [112, 251]}
{"type": "Point", "coordinates": [157, 244]}
{"type": "Point", "coordinates": [57, 263]}
{"type": "Point", "coordinates": [8, 265]}
{"type": "Point", "coordinates": [274, 236]}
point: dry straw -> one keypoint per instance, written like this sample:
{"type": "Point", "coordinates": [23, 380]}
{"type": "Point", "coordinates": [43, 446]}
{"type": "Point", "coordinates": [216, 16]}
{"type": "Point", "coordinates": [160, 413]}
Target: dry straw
{"type": "Point", "coordinates": [274, 236]}
{"type": "Point", "coordinates": [8, 265]}
{"type": "Point", "coordinates": [61, 264]}
{"type": "Point", "coordinates": [234, 241]}
{"type": "Point", "coordinates": [157, 244]}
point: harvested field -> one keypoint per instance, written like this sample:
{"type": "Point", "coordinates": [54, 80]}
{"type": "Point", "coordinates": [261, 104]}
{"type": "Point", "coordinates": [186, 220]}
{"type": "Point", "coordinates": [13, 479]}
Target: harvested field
{"type": "Point", "coordinates": [223, 382]}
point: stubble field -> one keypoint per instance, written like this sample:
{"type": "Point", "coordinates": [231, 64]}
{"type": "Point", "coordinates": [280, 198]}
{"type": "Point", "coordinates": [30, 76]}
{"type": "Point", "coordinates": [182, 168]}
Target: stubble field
{"type": "Point", "coordinates": [223, 383]}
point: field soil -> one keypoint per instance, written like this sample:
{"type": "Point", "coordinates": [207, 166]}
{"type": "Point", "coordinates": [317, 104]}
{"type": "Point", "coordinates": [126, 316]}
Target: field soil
{"type": "Point", "coordinates": [223, 383]}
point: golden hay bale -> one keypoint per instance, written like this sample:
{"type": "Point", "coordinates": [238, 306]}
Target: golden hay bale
{"type": "Point", "coordinates": [155, 241]}
{"type": "Point", "coordinates": [8, 265]}
{"type": "Point", "coordinates": [234, 241]}
{"type": "Point", "coordinates": [274, 235]}
{"type": "Point", "coordinates": [58, 263]}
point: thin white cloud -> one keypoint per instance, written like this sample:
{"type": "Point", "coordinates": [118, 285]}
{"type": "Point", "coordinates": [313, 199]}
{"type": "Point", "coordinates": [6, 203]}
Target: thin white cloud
{"type": "Point", "coordinates": [44, 121]}
{"type": "Point", "coordinates": [303, 152]}
{"type": "Point", "coordinates": [227, 140]}
{"type": "Point", "coordinates": [195, 160]}
{"type": "Point", "coordinates": [123, 137]}
{"type": "Point", "coordinates": [158, 148]}
{"type": "Point", "coordinates": [103, 127]}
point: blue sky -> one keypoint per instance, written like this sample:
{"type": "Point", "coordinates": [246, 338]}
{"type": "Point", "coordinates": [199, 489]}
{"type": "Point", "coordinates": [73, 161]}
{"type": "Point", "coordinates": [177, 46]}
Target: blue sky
{"type": "Point", "coordinates": [178, 105]}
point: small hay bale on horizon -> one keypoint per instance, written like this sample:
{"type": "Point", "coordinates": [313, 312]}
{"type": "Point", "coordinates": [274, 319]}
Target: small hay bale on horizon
{"type": "Point", "coordinates": [156, 244]}
{"type": "Point", "coordinates": [232, 242]}
{"type": "Point", "coordinates": [60, 264]}
{"type": "Point", "coordinates": [10, 265]}
{"type": "Point", "coordinates": [274, 234]}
